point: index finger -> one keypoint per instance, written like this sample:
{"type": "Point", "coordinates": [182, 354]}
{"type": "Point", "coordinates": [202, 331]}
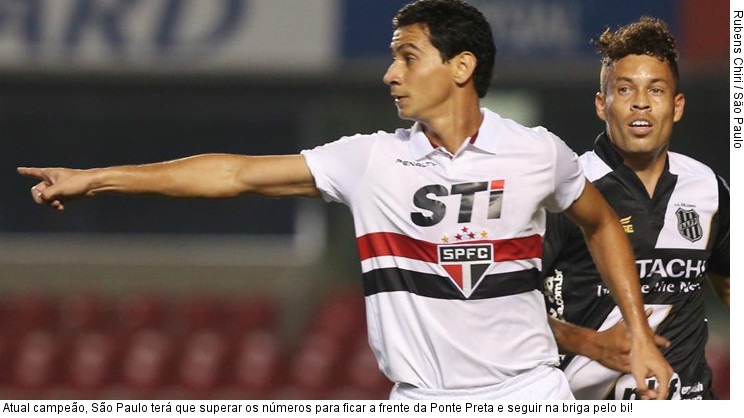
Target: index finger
{"type": "Point", "coordinates": [30, 171]}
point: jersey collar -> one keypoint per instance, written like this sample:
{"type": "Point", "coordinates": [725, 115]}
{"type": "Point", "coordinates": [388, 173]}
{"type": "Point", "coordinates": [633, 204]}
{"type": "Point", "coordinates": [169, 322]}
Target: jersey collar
{"type": "Point", "coordinates": [603, 148]}
{"type": "Point", "coordinates": [485, 139]}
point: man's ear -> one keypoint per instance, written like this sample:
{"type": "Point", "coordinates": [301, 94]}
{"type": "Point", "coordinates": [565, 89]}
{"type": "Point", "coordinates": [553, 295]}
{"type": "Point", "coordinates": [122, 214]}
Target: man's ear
{"type": "Point", "coordinates": [463, 67]}
{"type": "Point", "coordinates": [599, 106]}
{"type": "Point", "coordinates": [679, 106]}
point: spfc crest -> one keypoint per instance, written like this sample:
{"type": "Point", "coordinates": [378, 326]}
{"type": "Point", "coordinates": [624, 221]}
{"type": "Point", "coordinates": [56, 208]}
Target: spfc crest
{"type": "Point", "coordinates": [466, 264]}
{"type": "Point", "coordinates": [688, 224]}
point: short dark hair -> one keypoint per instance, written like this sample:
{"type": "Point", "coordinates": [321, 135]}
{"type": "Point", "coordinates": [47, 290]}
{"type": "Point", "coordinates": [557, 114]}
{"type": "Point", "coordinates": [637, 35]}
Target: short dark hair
{"type": "Point", "coordinates": [646, 36]}
{"type": "Point", "coordinates": [455, 27]}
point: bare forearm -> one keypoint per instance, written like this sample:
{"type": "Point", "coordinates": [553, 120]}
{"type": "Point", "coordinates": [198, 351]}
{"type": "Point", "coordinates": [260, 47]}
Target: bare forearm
{"type": "Point", "coordinates": [209, 175]}
{"type": "Point", "coordinates": [571, 338]}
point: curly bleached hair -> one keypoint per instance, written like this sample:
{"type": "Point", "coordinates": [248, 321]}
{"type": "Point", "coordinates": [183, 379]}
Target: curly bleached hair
{"type": "Point", "coordinates": [646, 36]}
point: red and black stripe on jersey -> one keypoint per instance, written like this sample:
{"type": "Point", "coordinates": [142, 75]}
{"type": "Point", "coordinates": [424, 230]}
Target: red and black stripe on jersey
{"type": "Point", "coordinates": [433, 285]}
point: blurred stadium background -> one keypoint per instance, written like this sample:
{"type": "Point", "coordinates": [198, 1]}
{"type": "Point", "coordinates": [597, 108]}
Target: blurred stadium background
{"type": "Point", "coordinates": [147, 298]}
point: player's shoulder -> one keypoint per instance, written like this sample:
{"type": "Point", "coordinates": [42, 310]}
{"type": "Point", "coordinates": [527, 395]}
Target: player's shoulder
{"type": "Point", "coordinates": [503, 134]}
{"type": "Point", "coordinates": [364, 140]}
{"type": "Point", "coordinates": [682, 164]}
{"type": "Point", "coordinates": [359, 144]}
{"type": "Point", "coordinates": [496, 122]}
{"type": "Point", "coordinates": [371, 136]}
{"type": "Point", "coordinates": [694, 170]}
{"type": "Point", "coordinates": [400, 134]}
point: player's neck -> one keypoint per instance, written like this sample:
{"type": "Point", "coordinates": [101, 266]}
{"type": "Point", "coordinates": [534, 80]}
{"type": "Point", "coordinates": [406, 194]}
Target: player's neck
{"type": "Point", "coordinates": [455, 127]}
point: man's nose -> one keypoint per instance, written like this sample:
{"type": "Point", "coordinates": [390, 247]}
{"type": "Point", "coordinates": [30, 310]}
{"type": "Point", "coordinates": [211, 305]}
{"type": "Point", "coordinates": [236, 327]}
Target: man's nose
{"type": "Point", "coordinates": [392, 75]}
{"type": "Point", "coordinates": [641, 102]}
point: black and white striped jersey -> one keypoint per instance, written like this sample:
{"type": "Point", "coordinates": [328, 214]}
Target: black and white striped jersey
{"type": "Point", "coordinates": [677, 235]}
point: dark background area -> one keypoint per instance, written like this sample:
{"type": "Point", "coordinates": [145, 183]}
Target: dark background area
{"type": "Point", "coordinates": [82, 123]}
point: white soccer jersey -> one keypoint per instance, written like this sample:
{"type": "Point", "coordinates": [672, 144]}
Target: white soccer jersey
{"type": "Point", "coordinates": [451, 246]}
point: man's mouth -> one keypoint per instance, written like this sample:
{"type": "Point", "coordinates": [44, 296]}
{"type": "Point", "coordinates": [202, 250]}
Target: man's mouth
{"type": "Point", "coordinates": [399, 100]}
{"type": "Point", "coordinates": [640, 127]}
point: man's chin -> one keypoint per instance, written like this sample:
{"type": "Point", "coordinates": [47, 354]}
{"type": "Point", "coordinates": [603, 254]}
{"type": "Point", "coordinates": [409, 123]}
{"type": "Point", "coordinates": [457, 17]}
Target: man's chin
{"type": "Point", "coordinates": [405, 115]}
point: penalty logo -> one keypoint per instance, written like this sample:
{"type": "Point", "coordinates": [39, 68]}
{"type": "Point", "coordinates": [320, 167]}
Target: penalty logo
{"type": "Point", "coordinates": [466, 264]}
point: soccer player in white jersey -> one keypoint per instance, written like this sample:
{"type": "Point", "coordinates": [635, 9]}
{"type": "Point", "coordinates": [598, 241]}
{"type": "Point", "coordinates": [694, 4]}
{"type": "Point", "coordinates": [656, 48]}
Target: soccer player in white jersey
{"type": "Point", "coordinates": [449, 217]}
{"type": "Point", "coordinates": [675, 210]}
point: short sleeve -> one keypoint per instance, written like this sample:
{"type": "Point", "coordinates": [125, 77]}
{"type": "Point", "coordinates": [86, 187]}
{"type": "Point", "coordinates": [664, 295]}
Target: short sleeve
{"type": "Point", "coordinates": [339, 166]}
{"type": "Point", "coordinates": [569, 178]}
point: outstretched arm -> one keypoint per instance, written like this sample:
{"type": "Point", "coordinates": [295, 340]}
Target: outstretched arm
{"type": "Point", "coordinates": [614, 258]}
{"type": "Point", "coordinates": [204, 176]}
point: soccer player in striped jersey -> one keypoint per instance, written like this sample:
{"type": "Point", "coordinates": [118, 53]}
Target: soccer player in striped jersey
{"type": "Point", "coordinates": [674, 209]}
